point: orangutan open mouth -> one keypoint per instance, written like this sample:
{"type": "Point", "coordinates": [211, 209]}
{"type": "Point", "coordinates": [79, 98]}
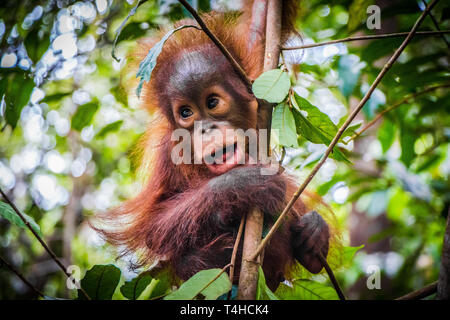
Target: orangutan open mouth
{"type": "Point", "coordinates": [220, 161]}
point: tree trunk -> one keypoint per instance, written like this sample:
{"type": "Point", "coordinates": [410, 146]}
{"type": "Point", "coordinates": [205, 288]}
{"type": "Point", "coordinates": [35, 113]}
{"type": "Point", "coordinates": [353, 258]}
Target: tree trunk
{"type": "Point", "coordinates": [248, 279]}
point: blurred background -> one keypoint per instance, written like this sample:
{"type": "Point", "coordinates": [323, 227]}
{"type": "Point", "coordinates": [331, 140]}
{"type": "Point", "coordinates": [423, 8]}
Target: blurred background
{"type": "Point", "coordinates": [69, 124]}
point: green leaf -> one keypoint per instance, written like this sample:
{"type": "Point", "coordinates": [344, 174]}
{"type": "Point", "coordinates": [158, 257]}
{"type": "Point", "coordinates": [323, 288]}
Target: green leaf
{"type": "Point", "coordinates": [132, 31]}
{"type": "Point", "coordinates": [3, 86]}
{"type": "Point", "coordinates": [84, 115]}
{"type": "Point", "coordinates": [398, 202]}
{"type": "Point", "coordinates": [407, 140]}
{"type": "Point", "coordinates": [272, 86]}
{"type": "Point", "coordinates": [379, 49]}
{"type": "Point", "coordinates": [262, 290]}
{"type": "Point", "coordinates": [36, 47]}
{"type": "Point", "coordinates": [312, 133]}
{"type": "Point", "coordinates": [283, 121]}
{"type": "Point", "coordinates": [17, 94]}
{"type": "Point", "coordinates": [119, 30]}
{"type": "Point", "coordinates": [386, 134]}
{"type": "Point", "coordinates": [57, 97]}
{"type": "Point", "coordinates": [132, 289]}
{"type": "Point", "coordinates": [112, 127]}
{"type": "Point", "coordinates": [204, 5]}
{"type": "Point", "coordinates": [198, 5]}
{"type": "Point", "coordinates": [357, 14]}
{"type": "Point", "coordinates": [197, 283]}
{"type": "Point", "coordinates": [160, 285]}
{"type": "Point", "coordinates": [148, 64]}
{"type": "Point", "coordinates": [317, 118]}
{"type": "Point", "coordinates": [7, 212]}
{"type": "Point", "coordinates": [100, 282]}
{"type": "Point", "coordinates": [120, 94]}
{"type": "Point", "coordinates": [306, 290]}
{"type": "Point", "coordinates": [348, 253]}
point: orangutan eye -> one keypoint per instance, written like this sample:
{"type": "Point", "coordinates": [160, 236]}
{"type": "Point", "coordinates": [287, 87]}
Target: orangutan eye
{"type": "Point", "coordinates": [185, 112]}
{"type": "Point", "coordinates": [212, 102]}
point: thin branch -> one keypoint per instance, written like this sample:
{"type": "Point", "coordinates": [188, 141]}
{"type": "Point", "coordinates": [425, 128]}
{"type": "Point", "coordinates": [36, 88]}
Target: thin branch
{"type": "Point", "coordinates": [239, 70]}
{"type": "Point", "coordinates": [421, 293]}
{"type": "Point", "coordinates": [41, 241]}
{"type": "Point", "coordinates": [283, 155]}
{"type": "Point", "coordinates": [395, 105]}
{"type": "Point", "coordinates": [235, 249]}
{"type": "Point", "coordinates": [331, 276]}
{"type": "Point", "coordinates": [341, 130]}
{"type": "Point", "coordinates": [369, 37]}
{"type": "Point", "coordinates": [10, 267]}
{"type": "Point", "coordinates": [119, 30]}
{"type": "Point", "coordinates": [436, 24]}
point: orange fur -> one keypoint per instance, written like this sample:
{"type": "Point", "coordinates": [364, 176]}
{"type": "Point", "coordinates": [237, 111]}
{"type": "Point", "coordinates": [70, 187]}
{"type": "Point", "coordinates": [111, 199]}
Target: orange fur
{"type": "Point", "coordinates": [175, 218]}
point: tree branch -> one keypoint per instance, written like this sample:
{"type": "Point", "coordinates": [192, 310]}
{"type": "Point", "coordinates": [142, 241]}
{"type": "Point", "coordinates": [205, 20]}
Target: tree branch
{"type": "Point", "coordinates": [248, 278]}
{"type": "Point", "coordinates": [341, 130]}
{"type": "Point", "coordinates": [369, 37]}
{"type": "Point", "coordinates": [333, 280]}
{"type": "Point", "coordinates": [257, 29]}
{"type": "Point", "coordinates": [236, 247]}
{"type": "Point", "coordinates": [271, 59]}
{"type": "Point", "coordinates": [239, 70]}
{"type": "Point", "coordinates": [436, 24]}
{"type": "Point", "coordinates": [273, 34]}
{"type": "Point", "coordinates": [41, 241]}
{"type": "Point", "coordinates": [421, 293]}
{"type": "Point", "coordinates": [395, 105]}
{"type": "Point", "coordinates": [10, 267]}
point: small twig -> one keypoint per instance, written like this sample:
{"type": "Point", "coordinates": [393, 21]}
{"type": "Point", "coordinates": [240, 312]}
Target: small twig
{"type": "Point", "coordinates": [119, 30]}
{"type": "Point", "coordinates": [369, 37]}
{"type": "Point", "coordinates": [331, 276]}
{"type": "Point", "coordinates": [237, 67]}
{"type": "Point", "coordinates": [235, 250]}
{"type": "Point", "coordinates": [421, 293]}
{"type": "Point", "coordinates": [436, 24]}
{"type": "Point", "coordinates": [283, 155]}
{"type": "Point", "coordinates": [395, 105]}
{"type": "Point", "coordinates": [41, 241]}
{"type": "Point", "coordinates": [11, 268]}
{"type": "Point", "coordinates": [341, 130]}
